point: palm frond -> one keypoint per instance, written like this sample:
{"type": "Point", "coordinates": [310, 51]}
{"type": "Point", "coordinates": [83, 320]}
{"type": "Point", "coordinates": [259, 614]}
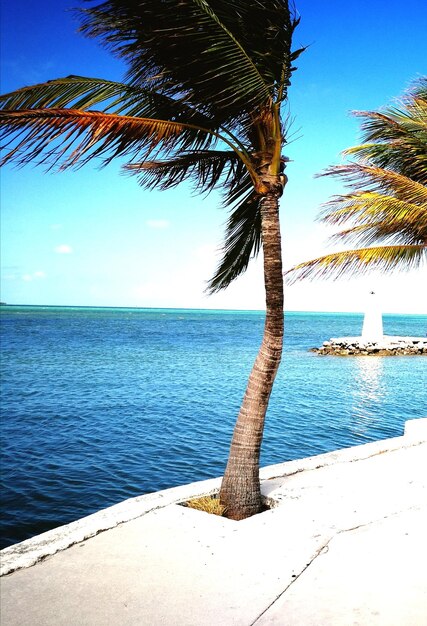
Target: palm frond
{"type": "Point", "coordinates": [388, 198]}
{"type": "Point", "coordinates": [418, 89]}
{"type": "Point", "coordinates": [396, 138]}
{"type": "Point", "coordinates": [73, 137]}
{"type": "Point", "coordinates": [398, 231]}
{"type": "Point", "coordinates": [206, 168]}
{"type": "Point", "coordinates": [232, 67]}
{"type": "Point", "coordinates": [394, 124]}
{"type": "Point", "coordinates": [367, 208]}
{"type": "Point", "coordinates": [376, 179]}
{"type": "Point", "coordinates": [357, 262]}
{"type": "Point", "coordinates": [78, 92]}
{"type": "Point", "coordinates": [242, 242]}
{"type": "Point", "coordinates": [83, 93]}
{"type": "Point", "coordinates": [408, 159]}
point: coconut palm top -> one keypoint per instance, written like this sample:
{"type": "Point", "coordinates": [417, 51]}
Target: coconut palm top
{"type": "Point", "coordinates": [200, 101]}
{"type": "Point", "coordinates": [385, 211]}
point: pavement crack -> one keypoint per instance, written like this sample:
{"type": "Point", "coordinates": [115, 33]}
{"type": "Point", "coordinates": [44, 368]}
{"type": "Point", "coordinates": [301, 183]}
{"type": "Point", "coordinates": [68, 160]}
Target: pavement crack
{"type": "Point", "coordinates": [375, 521]}
{"type": "Point", "coordinates": [321, 550]}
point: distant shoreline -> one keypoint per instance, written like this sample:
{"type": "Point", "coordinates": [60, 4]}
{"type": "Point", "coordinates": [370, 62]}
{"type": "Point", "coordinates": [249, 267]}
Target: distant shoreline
{"type": "Point", "coordinates": [196, 310]}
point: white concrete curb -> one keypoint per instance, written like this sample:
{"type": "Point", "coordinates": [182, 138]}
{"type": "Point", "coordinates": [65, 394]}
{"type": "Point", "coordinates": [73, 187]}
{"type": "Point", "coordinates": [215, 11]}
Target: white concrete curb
{"type": "Point", "coordinates": [29, 552]}
{"type": "Point", "coordinates": [415, 432]}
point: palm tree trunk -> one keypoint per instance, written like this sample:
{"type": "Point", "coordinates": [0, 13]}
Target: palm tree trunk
{"type": "Point", "coordinates": [240, 490]}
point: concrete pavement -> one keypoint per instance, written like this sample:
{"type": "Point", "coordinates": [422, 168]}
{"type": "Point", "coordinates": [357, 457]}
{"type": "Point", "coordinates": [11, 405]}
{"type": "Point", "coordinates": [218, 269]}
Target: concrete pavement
{"type": "Point", "coordinates": [345, 544]}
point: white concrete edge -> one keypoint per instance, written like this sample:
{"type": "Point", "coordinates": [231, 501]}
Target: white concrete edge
{"type": "Point", "coordinates": [415, 432]}
{"type": "Point", "coordinates": [27, 553]}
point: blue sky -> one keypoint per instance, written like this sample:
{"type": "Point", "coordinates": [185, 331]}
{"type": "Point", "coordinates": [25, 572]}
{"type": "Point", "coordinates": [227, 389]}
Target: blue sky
{"type": "Point", "coordinates": [94, 237]}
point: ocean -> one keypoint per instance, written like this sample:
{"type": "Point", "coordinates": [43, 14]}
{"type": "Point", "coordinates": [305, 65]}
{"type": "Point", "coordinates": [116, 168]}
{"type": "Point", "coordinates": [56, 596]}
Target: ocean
{"type": "Point", "coordinates": [102, 404]}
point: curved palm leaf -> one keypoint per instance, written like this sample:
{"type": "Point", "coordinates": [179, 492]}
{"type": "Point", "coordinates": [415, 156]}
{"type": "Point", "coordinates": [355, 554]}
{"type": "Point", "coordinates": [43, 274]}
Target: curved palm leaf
{"type": "Point", "coordinates": [207, 168]}
{"type": "Point", "coordinates": [362, 207]}
{"type": "Point", "coordinates": [408, 160]}
{"type": "Point", "coordinates": [409, 227]}
{"type": "Point", "coordinates": [82, 93]}
{"type": "Point", "coordinates": [79, 136]}
{"type": "Point", "coordinates": [396, 231]}
{"type": "Point", "coordinates": [371, 178]}
{"type": "Point", "coordinates": [360, 261]}
{"type": "Point", "coordinates": [242, 242]}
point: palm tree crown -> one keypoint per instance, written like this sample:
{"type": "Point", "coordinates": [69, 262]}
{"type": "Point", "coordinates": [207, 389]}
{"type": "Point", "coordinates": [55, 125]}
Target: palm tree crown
{"type": "Point", "coordinates": [387, 203]}
{"type": "Point", "coordinates": [201, 102]}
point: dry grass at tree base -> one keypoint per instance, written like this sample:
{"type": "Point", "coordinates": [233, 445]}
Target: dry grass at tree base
{"type": "Point", "coordinates": [208, 504]}
{"type": "Point", "coordinates": [212, 505]}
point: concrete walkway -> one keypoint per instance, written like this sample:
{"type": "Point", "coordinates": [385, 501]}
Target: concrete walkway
{"type": "Point", "coordinates": [346, 544]}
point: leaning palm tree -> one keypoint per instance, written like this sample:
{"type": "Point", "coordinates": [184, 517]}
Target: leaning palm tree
{"type": "Point", "coordinates": [203, 102]}
{"type": "Point", "coordinates": [385, 212]}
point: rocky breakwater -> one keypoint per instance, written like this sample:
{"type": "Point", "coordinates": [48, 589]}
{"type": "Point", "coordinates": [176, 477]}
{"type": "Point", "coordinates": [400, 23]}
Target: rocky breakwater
{"type": "Point", "coordinates": [387, 346]}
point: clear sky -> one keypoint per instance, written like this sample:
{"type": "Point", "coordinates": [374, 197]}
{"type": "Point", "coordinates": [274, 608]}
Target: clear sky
{"type": "Point", "coordinates": [95, 238]}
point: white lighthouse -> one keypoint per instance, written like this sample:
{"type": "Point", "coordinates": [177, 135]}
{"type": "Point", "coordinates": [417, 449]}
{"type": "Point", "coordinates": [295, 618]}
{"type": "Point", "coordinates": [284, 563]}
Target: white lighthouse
{"type": "Point", "coordinates": [372, 330]}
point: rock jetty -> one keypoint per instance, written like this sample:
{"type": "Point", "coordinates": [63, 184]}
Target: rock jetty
{"type": "Point", "coordinates": [387, 346]}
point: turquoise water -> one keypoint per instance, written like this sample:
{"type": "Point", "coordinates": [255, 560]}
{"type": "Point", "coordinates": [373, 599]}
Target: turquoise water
{"type": "Point", "coordinates": [99, 405]}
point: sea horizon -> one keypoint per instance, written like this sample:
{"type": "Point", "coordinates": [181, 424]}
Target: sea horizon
{"type": "Point", "coordinates": [201, 309]}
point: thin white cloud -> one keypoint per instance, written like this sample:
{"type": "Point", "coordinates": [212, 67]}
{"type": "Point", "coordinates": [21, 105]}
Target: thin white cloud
{"type": "Point", "coordinates": [34, 276]}
{"type": "Point", "coordinates": [64, 248]}
{"type": "Point", "coordinates": [158, 223]}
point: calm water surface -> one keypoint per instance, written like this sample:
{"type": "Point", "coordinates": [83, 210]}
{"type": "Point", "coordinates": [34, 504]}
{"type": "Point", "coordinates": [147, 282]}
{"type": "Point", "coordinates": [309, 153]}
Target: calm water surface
{"type": "Point", "coordinates": [99, 405]}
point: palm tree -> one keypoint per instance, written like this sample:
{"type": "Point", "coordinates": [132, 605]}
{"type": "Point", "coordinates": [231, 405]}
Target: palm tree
{"type": "Point", "coordinates": [205, 87]}
{"type": "Point", "coordinates": [387, 203]}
